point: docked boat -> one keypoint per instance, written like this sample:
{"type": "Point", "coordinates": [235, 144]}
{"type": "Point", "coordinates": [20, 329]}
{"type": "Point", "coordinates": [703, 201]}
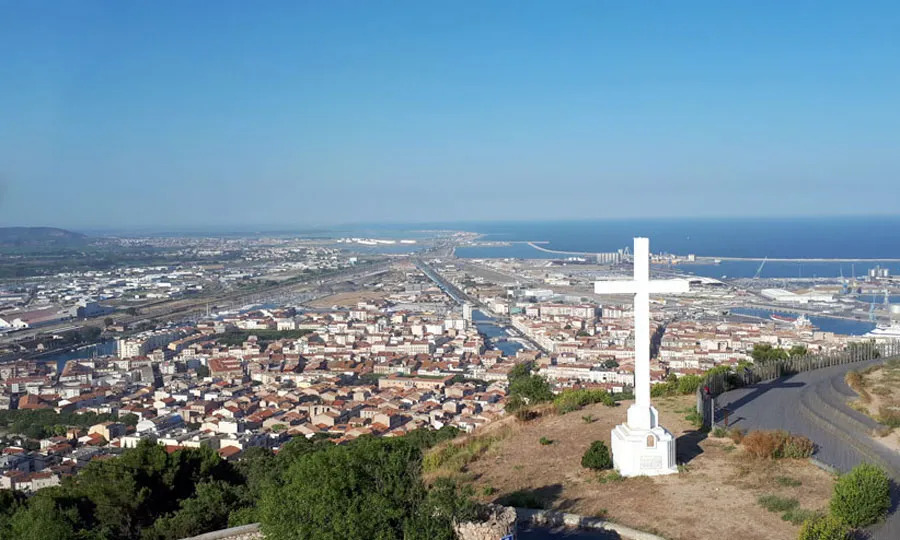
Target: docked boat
{"type": "Point", "coordinates": [802, 322]}
{"type": "Point", "coordinates": [884, 331]}
{"type": "Point", "coordinates": [783, 318]}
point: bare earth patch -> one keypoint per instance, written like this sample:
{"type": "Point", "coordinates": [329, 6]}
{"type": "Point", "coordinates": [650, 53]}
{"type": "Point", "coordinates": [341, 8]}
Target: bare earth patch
{"type": "Point", "coordinates": [715, 495]}
{"type": "Point", "coordinates": [882, 388]}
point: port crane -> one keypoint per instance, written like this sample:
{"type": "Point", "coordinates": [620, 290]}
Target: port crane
{"type": "Point", "coordinates": [760, 269]}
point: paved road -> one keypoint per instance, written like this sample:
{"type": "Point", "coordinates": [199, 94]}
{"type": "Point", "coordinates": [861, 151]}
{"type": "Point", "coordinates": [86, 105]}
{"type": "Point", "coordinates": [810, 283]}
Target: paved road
{"type": "Point", "coordinates": [815, 404]}
{"type": "Point", "coordinates": [562, 533]}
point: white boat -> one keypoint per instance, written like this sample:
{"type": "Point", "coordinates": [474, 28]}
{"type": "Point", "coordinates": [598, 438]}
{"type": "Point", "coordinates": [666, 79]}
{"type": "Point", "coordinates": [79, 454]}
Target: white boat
{"type": "Point", "coordinates": [882, 331]}
{"type": "Point", "coordinates": [802, 322]}
{"type": "Point", "coordinates": [888, 331]}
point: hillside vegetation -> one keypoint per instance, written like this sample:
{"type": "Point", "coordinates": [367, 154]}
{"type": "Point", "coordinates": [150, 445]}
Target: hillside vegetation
{"type": "Point", "coordinates": [148, 493]}
{"type": "Point", "coordinates": [39, 237]}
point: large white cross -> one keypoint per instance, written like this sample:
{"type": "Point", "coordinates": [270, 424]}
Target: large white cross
{"type": "Point", "coordinates": [641, 414]}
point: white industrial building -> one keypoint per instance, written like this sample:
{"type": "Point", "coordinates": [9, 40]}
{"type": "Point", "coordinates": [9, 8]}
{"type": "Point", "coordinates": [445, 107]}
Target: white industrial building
{"type": "Point", "coordinates": [787, 297]}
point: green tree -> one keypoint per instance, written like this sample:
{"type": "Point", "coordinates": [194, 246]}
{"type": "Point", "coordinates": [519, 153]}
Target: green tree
{"type": "Point", "coordinates": [426, 438]}
{"type": "Point", "coordinates": [10, 502]}
{"type": "Point", "coordinates": [797, 350]}
{"type": "Point", "coordinates": [445, 503]}
{"type": "Point", "coordinates": [534, 388]}
{"type": "Point", "coordinates": [519, 371]}
{"type": "Point", "coordinates": [764, 353]}
{"type": "Point", "coordinates": [129, 493]}
{"type": "Point", "coordinates": [43, 519]}
{"type": "Point", "coordinates": [207, 510]}
{"type": "Point", "coordinates": [374, 485]}
{"type": "Point", "coordinates": [862, 496]}
{"type": "Point", "coordinates": [597, 457]}
{"type": "Point", "coordinates": [526, 388]}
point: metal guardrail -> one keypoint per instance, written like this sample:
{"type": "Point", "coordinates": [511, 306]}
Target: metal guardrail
{"type": "Point", "coordinates": [717, 383]}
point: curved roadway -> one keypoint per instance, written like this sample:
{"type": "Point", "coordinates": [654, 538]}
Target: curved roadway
{"type": "Point", "coordinates": [814, 404]}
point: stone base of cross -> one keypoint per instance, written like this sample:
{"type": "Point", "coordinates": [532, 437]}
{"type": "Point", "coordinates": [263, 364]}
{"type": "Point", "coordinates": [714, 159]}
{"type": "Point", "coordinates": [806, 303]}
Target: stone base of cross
{"type": "Point", "coordinates": [640, 446]}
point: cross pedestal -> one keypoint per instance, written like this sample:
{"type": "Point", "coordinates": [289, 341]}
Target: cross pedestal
{"type": "Point", "coordinates": [640, 446]}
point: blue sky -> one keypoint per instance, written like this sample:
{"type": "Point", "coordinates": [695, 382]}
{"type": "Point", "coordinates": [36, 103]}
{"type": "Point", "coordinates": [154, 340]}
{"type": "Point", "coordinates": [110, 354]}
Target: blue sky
{"type": "Point", "coordinates": [192, 114]}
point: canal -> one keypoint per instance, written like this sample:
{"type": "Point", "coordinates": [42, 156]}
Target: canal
{"type": "Point", "coordinates": [104, 348]}
{"type": "Point", "coordinates": [494, 334]}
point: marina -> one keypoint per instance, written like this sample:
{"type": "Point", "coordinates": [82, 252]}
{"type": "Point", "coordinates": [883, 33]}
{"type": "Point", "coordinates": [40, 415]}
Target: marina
{"type": "Point", "coordinates": [826, 324]}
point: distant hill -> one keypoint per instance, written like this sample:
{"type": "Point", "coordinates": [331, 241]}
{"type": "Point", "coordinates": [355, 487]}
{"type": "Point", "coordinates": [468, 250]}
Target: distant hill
{"type": "Point", "coordinates": [32, 237]}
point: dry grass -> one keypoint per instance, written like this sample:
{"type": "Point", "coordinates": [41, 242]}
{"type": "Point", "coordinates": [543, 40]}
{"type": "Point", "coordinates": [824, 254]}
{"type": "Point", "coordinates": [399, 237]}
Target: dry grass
{"type": "Point", "coordinates": [451, 457]}
{"type": "Point", "coordinates": [720, 483]}
{"type": "Point", "coordinates": [855, 381]}
{"type": "Point", "coordinates": [879, 397]}
{"type": "Point", "coordinates": [777, 444]}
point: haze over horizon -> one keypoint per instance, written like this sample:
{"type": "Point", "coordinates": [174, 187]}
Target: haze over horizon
{"type": "Point", "coordinates": [311, 114]}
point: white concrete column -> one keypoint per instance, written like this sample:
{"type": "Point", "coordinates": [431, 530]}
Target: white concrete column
{"type": "Point", "coordinates": [642, 328]}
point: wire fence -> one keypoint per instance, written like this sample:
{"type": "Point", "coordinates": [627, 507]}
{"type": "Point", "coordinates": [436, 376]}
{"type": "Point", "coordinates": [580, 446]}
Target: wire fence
{"type": "Point", "coordinates": [717, 383]}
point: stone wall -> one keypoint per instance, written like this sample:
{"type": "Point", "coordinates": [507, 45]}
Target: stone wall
{"type": "Point", "coordinates": [496, 522]}
{"type": "Point", "coordinates": [244, 532]}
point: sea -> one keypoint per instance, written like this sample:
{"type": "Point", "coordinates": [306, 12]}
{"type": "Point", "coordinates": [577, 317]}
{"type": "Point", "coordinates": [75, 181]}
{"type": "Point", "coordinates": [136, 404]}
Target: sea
{"type": "Point", "coordinates": [872, 238]}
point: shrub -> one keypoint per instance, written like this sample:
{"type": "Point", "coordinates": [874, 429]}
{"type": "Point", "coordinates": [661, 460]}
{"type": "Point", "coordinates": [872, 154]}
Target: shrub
{"type": "Point", "coordinates": [799, 516]}
{"type": "Point", "coordinates": [719, 432]}
{"type": "Point", "coordinates": [545, 441]}
{"type": "Point", "coordinates": [695, 418]}
{"type": "Point", "coordinates": [597, 457]}
{"type": "Point", "coordinates": [736, 435]}
{"type": "Point", "coordinates": [777, 444]}
{"type": "Point", "coordinates": [572, 400]}
{"type": "Point", "coordinates": [611, 476]}
{"type": "Point", "coordinates": [588, 418]}
{"type": "Point", "coordinates": [862, 496]}
{"type": "Point", "coordinates": [824, 528]}
{"type": "Point", "coordinates": [798, 447]}
{"type": "Point", "coordinates": [688, 384]}
{"type": "Point", "coordinates": [762, 444]}
{"type": "Point", "coordinates": [774, 503]}
{"type": "Point", "coordinates": [663, 389]}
